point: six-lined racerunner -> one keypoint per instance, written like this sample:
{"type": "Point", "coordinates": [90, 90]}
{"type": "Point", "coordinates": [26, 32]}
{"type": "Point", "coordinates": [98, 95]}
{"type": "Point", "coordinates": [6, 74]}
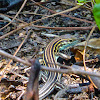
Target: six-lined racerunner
{"type": "Point", "coordinates": [50, 61]}
{"type": "Point", "coordinates": [49, 57]}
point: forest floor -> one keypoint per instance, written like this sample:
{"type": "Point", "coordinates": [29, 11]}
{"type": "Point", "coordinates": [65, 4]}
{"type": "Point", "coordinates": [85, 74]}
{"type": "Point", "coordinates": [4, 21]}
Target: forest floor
{"type": "Point", "coordinates": [30, 42]}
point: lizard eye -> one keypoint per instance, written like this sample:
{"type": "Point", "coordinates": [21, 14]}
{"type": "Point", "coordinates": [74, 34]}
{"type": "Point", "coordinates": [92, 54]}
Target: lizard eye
{"type": "Point", "coordinates": [70, 40]}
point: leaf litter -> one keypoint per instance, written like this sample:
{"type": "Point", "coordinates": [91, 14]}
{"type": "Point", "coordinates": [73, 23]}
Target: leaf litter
{"type": "Point", "coordinates": [13, 80]}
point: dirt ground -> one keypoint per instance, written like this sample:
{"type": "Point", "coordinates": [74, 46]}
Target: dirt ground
{"type": "Point", "coordinates": [79, 22]}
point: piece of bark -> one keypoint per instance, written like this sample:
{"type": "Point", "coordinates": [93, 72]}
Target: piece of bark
{"type": "Point", "coordinates": [32, 87]}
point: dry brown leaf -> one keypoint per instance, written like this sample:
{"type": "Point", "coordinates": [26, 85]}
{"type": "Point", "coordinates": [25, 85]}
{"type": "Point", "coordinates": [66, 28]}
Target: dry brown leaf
{"type": "Point", "coordinates": [93, 45]}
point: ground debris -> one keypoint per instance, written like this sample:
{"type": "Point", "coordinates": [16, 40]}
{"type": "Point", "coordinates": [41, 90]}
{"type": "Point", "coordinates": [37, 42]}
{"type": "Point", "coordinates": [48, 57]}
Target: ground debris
{"type": "Point", "coordinates": [14, 76]}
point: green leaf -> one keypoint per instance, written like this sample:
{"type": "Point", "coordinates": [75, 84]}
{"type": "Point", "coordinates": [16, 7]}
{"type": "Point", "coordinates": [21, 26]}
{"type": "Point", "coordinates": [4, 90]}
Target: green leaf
{"type": "Point", "coordinates": [97, 1]}
{"type": "Point", "coordinates": [81, 1]}
{"type": "Point", "coordinates": [96, 13]}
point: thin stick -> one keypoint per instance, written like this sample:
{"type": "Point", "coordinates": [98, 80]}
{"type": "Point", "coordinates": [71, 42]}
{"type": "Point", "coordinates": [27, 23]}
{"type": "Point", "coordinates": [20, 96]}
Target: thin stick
{"type": "Point", "coordinates": [15, 15]}
{"type": "Point", "coordinates": [28, 24]}
{"type": "Point", "coordinates": [65, 28]}
{"type": "Point", "coordinates": [17, 50]}
{"type": "Point", "coordinates": [84, 20]}
{"type": "Point", "coordinates": [15, 18]}
{"type": "Point", "coordinates": [74, 71]}
{"type": "Point", "coordinates": [58, 28]}
{"type": "Point", "coordinates": [19, 98]}
{"type": "Point", "coordinates": [85, 52]}
{"type": "Point", "coordinates": [14, 57]}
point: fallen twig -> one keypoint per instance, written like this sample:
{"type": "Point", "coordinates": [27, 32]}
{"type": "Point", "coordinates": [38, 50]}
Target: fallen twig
{"type": "Point", "coordinates": [84, 55]}
{"type": "Point", "coordinates": [83, 20]}
{"type": "Point", "coordinates": [15, 15]}
{"type": "Point", "coordinates": [28, 33]}
{"type": "Point", "coordinates": [65, 28]}
{"type": "Point", "coordinates": [68, 71]}
{"type": "Point", "coordinates": [29, 24]}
